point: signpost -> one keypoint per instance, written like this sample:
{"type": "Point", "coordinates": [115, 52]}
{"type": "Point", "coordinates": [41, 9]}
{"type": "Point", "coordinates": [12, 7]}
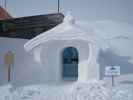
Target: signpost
{"type": "Point", "coordinates": [112, 71]}
{"type": "Point", "coordinates": [8, 60]}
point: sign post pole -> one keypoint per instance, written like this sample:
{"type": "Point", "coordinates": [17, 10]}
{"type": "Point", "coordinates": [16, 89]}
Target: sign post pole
{"type": "Point", "coordinates": [112, 71]}
{"type": "Point", "coordinates": [113, 80]}
{"type": "Point", "coordinates": [8, 60]}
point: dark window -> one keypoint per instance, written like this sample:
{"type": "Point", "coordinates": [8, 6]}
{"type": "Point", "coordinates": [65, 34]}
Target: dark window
{"type": "Point", "coordinates": [1, 28]}
{"type": "Point", "coordinates": [70, 64]}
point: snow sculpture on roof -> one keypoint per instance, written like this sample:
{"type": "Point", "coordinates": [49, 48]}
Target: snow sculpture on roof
{"type": "Point", "coordinates": [66, 31]}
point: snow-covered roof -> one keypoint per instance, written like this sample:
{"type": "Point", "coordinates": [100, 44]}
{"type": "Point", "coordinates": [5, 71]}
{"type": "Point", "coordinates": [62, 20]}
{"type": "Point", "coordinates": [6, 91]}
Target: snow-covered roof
{"type": "Point", "coordinates": [67, 30]}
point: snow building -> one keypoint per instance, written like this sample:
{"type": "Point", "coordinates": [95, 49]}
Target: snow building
{"type": "Point", "coordinates": [66, 52]}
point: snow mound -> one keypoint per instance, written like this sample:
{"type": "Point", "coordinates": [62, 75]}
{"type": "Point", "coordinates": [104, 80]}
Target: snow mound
{"type": "Point", "coordinates": [5, 92]}
{"type": "Point", "coordinates": [123, 92]}
{"type": "Point", "coordinates": [94, 90]}
{"type": "Point", "coordinates": [43, 92]}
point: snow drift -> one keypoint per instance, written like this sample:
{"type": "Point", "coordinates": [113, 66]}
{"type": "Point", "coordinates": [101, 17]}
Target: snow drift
{"type": "Point", "coordinates": [93, 90]}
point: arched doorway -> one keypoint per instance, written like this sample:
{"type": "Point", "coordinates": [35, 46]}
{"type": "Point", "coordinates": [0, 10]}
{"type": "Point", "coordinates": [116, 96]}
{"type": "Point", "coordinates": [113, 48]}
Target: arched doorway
{"type": "Point", "coordinates": [70, 64]}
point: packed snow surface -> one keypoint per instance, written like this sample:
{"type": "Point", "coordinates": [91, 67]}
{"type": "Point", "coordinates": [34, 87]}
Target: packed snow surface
{"type": "Point", "coordinates": [93, 90]}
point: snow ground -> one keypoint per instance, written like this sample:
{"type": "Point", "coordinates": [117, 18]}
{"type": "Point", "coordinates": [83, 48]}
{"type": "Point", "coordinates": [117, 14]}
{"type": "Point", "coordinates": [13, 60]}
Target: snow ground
{"type": "Point", "coordinates": [93, 90]}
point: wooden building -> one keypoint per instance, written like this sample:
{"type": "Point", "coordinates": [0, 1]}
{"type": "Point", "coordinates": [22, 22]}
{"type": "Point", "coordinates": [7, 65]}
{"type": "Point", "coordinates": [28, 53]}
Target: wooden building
{"type": "Point", "coordinates": [27, 27]}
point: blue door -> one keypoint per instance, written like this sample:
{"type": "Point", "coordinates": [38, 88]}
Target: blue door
{"type": "Point", "coordinates": [70, 64]}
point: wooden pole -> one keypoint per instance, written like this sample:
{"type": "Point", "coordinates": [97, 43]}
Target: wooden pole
{"type": "Point", "coordinates": [58, 6]}
{"type": "Point", "coordinates": [9, 58]}
{"type": "Point", "coordinates": [5, 4]}
{"type": "Point", "coordinates": [9, 74]}
{"type": "Point", "coordinates": [113, 83]}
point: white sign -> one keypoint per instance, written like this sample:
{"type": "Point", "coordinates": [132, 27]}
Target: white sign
{"type": "Point", "coordinates": [112, 70]}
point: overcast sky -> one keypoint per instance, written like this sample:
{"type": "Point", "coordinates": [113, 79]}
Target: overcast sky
{"type": "Point", "coordinates": [82, 9]}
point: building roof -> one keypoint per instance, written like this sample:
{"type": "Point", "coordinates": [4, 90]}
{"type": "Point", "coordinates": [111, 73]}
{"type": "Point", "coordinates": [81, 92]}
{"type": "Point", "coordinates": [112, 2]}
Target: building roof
{"type": "Point", "coordinates": [27, 27]}
{"type": "Point", "coordinates": [30, 26]}
{"type": "Point", "coordinates": [4, 14]}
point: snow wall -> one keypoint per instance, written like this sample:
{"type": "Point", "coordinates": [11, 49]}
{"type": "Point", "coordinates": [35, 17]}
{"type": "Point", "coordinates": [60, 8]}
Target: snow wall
{"type": "Point", "coordinates": [51, 60]}
{"type": "Point", "coordinates": [26, 71]}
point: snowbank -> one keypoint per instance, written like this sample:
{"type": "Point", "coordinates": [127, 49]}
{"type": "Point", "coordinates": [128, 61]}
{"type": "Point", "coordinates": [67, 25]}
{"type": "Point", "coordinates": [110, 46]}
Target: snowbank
{"type": "Point", "coordinates": [5, 92]}
{"type": "Point", "coordinates": [94, 90]}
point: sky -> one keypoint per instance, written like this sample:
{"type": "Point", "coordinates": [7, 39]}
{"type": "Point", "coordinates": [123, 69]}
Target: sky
{"type": "Point", "coordinates": [81, 9]}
